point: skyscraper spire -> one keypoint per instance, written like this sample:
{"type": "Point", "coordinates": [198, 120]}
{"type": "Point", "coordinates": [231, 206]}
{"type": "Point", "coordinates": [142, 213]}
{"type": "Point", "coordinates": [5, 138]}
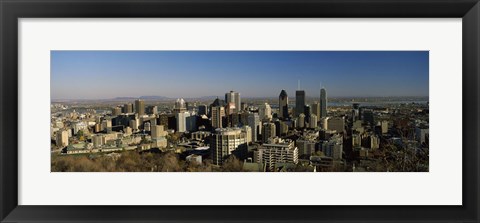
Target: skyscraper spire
{"type": "Point", "coordinates": [298, 88]}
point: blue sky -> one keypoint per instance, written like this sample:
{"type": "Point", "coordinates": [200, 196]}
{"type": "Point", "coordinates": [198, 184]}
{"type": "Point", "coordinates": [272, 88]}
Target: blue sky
{"type": "Point", "coordinates": [109, 74]}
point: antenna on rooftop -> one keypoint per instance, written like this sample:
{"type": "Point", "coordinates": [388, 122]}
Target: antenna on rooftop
{"type": "Point", "coordinates": [298, 85]}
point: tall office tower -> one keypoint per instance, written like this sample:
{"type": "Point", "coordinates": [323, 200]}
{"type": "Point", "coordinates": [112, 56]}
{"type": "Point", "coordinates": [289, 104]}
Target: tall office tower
{"type": "Point", "coordinates": [265, 111]}
{"type": "Point", "coordinates": [227, 141]}
{"type": "Point", "coordinates": [217, 114]}
{"type": "Point", "coordinates": [308, 111]}
{"type": "Point", "coordinates": [268, 131]}
{"type": "Point", "coordinates": [163, 120]}
{"type": "Point", "coordinates": [216, 103]}
{"type": "Point", "coordinates": [234, 97]}
{"type": "Point", "coordinates": [152, 110]}
{"type": "Point", "coordinates": [180, 106]}
{"type": "Point", "coordinates": [128, 108]}
{"type": "Point", "coordinates": [301, 121]}
{"type": "Point", "coordinates": [182, 121]}
{"type": "Point", "coordinates": [140, 107]}
{"type": "Point", "coordinates": [62, 138]}
{"type": "Point", "coordinates": [230, 108]}
{"type": "Point", "coordinates": [355, 112]}
{"type": "Point", "coordinates": [323, 103]}
{"type": "Point", "coordinates": [116, 111]}
{"type": "Point", "coordinates": [316, 109]}
{"type": "Point", "coordinates": [313, 121]}
{"type": "Point", "coordinates": [299, 102]}
{"type": "Point", "coordinates": [283, 105]}
{"type": "Point", "coordinates": [191, 122]}
{"type": "Point", "coordinates": [281, 151]}
{"type": "Point", "coordinates": [202, 110]}
{"type": "Point", "coordinates": [254, 123]}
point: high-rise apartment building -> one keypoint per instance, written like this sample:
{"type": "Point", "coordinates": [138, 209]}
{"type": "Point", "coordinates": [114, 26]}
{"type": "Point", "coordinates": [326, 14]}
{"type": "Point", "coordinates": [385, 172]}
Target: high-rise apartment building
{"type": "Point", "coordinates": [158, 131]}
{"type": "Point", "coordinates": [281, 151]}
{"type": "Point", "coordinates": [227, 141]}
{"type": "Point", "coordinates": [268, 131]}
{"type": "Point", "coordinates": [62, 138]}
{"type": "Point", "coordinates": [336, 123]}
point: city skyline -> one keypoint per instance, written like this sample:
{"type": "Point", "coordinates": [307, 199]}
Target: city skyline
{"type": "Point", "coordinates": [192, 74]}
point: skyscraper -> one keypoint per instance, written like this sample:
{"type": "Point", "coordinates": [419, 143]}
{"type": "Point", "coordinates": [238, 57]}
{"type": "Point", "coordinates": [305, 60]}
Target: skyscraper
{"type": "Point", "coordinates": [182, 121]}
{"type": "Point", "coordinates": [355, 112]}
{"type": "Point", "coordinates": [254, 123]}
{"type": "Point", "coordinates": [234, 97]}
{"type": "Point", "coordinates": [128, 108]}
{"type": "Point", "coordinates": [301, 121]}
{"type": "Point", "coordinates": [308, 111]}
{"type": "Point", "coordinates": [218, 113]}
{"type": "Point", "coordinates": [283, 105]}
{"type": "Point", "coordinates": [153, 110]}
{"type": "Point", "coordinates": [180, 106]}
{"type": "Point", "coordinates": [323, 103]}
{"type": "Point", "coordinates": [202, 110]}
{"type": "Point", "coordinates": [299, 102]}
{"type": "Point", "coordinates": [265, 111]}
{"type": "Point", "coordinates": [140, 107]}
{"type": "Point", "coordinates": [313, 121]}
{"type": "Point", "coordinates": [316, 109]}
{"type": "Point", "coordinates": [268, 131]}
{"type": "Point", "coordinates": [116, 111]}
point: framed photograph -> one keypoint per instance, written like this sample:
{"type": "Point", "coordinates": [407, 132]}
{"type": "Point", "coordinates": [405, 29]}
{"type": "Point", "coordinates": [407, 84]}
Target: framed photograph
{"type": "Point", "coordinates": [239, 111]}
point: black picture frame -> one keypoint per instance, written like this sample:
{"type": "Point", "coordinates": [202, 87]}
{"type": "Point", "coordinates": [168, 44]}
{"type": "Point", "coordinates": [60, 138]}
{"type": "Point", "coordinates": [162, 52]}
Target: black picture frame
{"type": "Point", "coordinates": [12, 10]}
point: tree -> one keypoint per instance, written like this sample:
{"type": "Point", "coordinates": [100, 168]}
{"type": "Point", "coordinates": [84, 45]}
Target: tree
{"type": "Point", "coordinates": [232, 164]}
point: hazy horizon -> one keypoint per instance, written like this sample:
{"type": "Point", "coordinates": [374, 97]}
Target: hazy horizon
{"type": "Point", "coordinates": [97, 75]}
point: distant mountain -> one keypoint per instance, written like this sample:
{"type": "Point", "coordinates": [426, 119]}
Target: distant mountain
{"type": "Point", "coordinates": [124, 98]}
{"type": "Point", "coordinates": [213, 97]}
{"type": "Point", "coordinates": [147, 98]}
{"type": "Point", "coordinates": [154, 97]}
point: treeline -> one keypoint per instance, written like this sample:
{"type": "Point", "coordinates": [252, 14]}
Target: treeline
{"type": "Point", "coordinates": [132, 161]}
